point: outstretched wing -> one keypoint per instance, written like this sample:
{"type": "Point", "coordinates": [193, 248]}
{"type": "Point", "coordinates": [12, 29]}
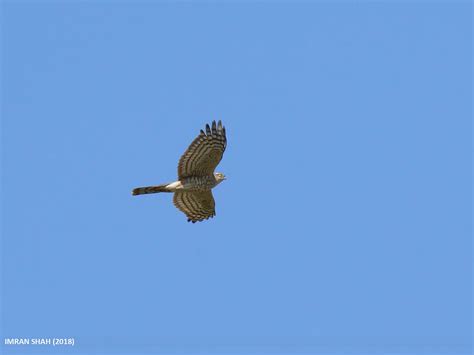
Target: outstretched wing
{"type": "Point", "coordinates": [196, 205]}
{"type": "Point", "coordinates": [204, 153]}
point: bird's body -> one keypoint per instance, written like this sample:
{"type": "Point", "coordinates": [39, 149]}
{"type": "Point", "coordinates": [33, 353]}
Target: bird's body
{"type": "Point", "coordinates": [196, 176]}
{"type": "Point", "coordinates": [192, 183]}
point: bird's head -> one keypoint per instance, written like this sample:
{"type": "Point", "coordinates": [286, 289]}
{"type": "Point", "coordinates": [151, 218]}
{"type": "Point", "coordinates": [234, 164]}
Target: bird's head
{"type": "Point", "coordinates": [219, 177]}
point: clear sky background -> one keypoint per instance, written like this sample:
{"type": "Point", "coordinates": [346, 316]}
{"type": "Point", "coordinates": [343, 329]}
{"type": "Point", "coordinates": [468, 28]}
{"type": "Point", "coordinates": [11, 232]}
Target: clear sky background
{"type": "Point", "coordinates": [345, 222]}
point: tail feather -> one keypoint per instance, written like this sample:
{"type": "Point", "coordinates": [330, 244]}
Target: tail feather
{"type": "Point", "coordinates": [150, 190]}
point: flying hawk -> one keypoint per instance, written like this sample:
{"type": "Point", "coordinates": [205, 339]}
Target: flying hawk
{"type": "Point", "coordinates": [196, 176]}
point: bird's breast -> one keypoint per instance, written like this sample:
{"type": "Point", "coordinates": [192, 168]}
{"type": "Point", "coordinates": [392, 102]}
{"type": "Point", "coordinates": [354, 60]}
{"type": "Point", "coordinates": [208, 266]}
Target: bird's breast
{"type": "Point", "coordinates": [199, 183]}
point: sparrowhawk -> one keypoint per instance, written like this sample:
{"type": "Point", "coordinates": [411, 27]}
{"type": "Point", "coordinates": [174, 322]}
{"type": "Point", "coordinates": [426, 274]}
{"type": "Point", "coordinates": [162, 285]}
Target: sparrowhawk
{"type": "Point", "coordinates": [196, 176]}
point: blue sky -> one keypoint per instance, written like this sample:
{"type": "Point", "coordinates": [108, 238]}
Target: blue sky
{"type": "Point", "coordinates": [345, 223]}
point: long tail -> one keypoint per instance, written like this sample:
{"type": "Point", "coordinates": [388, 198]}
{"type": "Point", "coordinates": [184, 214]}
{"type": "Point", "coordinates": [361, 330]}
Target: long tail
{"type": "Point", "coordinates": [150, 190]}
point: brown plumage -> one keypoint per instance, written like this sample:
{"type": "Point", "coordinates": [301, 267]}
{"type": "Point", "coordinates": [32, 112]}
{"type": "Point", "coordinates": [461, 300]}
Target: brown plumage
{"type": "Point", "coordinates": [196, 176]}
{"type": "Point", "coordinates": [149, 190]}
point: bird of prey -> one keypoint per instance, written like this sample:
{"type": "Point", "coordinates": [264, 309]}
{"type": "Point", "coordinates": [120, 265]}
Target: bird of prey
{"type": "Point", "coordinates": [196, 176]}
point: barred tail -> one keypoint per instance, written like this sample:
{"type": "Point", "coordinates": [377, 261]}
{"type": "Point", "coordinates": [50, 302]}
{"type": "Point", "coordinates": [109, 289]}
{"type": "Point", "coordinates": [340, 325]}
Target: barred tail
{"type": "Point", "coordinates": [150, 190]}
